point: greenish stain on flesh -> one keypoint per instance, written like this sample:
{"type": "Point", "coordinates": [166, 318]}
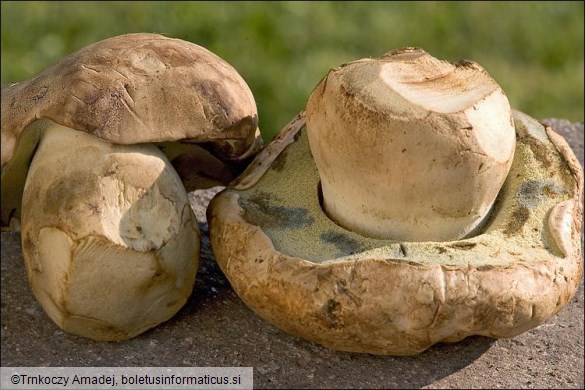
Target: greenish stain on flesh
{"type": "Point", "coordinates": [532, 192]}
{"type": "Point", "coordinates": [280, 162]}
{"type": "Point", "coordinates": [463, 245]}
{"type": "Point", "coordinates": [518, 219]}
{"type": "Point", "coordinates": [346, 245]}
{"type": "Point", "coordinates": [266, 210]}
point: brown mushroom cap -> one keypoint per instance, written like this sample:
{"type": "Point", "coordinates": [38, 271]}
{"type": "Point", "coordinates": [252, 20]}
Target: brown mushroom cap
{"type": "Point", "coordinates": [309, 276]}
{"type": "Point", "coordinates": [136, 88]}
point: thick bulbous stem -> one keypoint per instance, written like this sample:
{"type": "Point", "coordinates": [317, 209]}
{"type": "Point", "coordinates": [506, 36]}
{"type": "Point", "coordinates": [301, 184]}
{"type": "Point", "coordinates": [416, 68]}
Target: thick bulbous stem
{"type": "Point", "coordinates": [109, 239]}
{"type": "Point", "coordinates": [409, 147]}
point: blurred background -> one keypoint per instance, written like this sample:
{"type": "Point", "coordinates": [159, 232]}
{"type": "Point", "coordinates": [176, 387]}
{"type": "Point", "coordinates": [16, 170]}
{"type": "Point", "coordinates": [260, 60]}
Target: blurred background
{"type": "Point", "coordinates": [534, 50]}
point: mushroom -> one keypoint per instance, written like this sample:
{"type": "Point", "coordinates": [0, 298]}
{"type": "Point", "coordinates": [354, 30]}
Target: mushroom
{"type": "Point", "coordinates": [89, 152]}
{"type": "Point", "coordinates": [301, 261]}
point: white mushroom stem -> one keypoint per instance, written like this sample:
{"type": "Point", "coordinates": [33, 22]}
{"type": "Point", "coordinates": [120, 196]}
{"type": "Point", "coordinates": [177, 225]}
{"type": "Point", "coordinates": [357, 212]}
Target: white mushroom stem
{"type": "Point", "coordinates": [109, 239]}
{"type": "Point", "coordinates": [409, 147]}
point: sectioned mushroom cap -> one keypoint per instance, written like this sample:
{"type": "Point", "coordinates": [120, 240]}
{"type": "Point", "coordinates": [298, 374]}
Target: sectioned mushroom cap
{"type": "Point", "coordinates": [136, 88]}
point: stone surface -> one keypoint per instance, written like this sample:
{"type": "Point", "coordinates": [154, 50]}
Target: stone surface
{"type": "Point", "coordinates": [216, 329]}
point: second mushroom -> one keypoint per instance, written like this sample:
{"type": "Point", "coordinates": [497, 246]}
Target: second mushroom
{"type": "Point", "coordinates": [408, 205]}
{"type": "Point", "coordinates": [98, 153]}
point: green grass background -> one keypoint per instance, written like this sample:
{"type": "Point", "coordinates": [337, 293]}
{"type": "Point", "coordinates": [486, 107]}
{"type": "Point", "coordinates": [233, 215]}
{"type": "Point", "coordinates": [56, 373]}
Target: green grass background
{"type": "Point", "coordinates": [534, 50]}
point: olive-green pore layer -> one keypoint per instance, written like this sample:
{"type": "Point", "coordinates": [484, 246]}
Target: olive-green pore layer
{"type": "Point", "coordinates": [299, 270]}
